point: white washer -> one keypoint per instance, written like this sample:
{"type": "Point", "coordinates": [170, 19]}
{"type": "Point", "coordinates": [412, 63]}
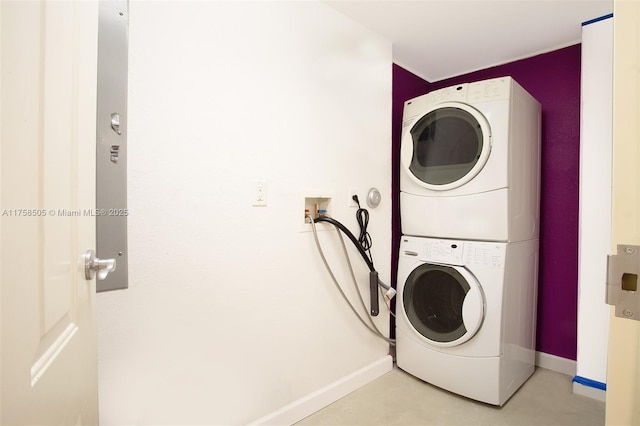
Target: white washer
{"type": "Point", "coordinates": [470, 163]}
{"type": "Point", "coordinates": [466, 314]}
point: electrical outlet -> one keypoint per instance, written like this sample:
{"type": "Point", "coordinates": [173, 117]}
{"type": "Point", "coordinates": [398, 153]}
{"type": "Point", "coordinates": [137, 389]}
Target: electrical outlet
{"type": "Point", "coordinates": [260, 193]}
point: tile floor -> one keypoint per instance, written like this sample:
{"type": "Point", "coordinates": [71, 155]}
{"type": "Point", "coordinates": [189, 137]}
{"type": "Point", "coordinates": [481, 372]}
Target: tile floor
{"type": "Point", "coordinates": [398, 398]}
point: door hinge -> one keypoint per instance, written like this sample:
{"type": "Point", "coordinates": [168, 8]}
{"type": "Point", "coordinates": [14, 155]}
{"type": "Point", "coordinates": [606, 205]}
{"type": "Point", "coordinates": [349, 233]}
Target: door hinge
{"type": "Point", "coordinates": [623, 270]}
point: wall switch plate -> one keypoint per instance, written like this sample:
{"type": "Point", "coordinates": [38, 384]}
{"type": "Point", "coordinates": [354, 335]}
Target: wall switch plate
{"type": "Point", "coordinates": [259, 193]}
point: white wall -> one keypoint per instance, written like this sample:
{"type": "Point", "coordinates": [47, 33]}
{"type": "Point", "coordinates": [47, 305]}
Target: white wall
{"type": "Point", "coordinates": [230, 314]}
{"type": "Point", "coordinates": [595, 199]}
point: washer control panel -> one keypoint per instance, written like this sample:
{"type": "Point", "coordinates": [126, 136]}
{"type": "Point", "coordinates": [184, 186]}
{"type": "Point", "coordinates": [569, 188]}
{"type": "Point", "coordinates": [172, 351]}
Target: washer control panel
{"type": "Point", "coordinates": [488, 255]}
{"type": "Point", "coordinates": [449, 252]}
{"type": "Point", "coordinates": [444, 251]}
{"type": "Point", "coordinates": [454, 252]}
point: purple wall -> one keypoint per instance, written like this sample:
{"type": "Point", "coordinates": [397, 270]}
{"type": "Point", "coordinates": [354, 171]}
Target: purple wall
{"type": "Point", "coordinates": [554, 80]}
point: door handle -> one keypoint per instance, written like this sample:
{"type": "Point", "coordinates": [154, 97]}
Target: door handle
{"type": "Point", "coordinates": [623, 270]}
{"type": "Point", "coordinates": [115, 122]}
{"type": "Point", "coordinates": [93, 265]}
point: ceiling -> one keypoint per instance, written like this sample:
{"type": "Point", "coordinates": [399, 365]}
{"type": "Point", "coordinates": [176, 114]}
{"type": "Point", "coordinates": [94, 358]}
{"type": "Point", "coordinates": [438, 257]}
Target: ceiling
{"type": "Point", "coordinates": [438, 39]}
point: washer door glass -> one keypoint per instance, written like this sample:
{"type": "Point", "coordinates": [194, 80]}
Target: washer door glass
{"type": "Point", "coordinates": [451, 144]}
{"type": "Point", "coordinates": [442, 305]}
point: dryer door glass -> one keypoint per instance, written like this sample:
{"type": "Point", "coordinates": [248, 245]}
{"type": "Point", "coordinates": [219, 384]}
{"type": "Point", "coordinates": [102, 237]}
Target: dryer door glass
{"type": "Point", "coordinates": [433, 298]}
{"type": "Point", "coordinates": [447, 144]}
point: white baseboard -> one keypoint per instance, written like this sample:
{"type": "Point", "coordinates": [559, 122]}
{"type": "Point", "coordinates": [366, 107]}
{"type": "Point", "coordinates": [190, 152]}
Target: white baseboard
{"type": "Point", "coordinates": [568, 367]}
{"type": "Point", "coordinates": [589, 392]}
{"type": "Point", "coordinates": [556, 363]}
{"type": "Point", "coordinates": [309, 404]}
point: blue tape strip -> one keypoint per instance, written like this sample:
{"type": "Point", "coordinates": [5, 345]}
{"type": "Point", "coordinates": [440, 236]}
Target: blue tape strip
{"type": "Point", "coordinates": [591, 383]}
{"type": "Point", "coordinates": [594, 20]}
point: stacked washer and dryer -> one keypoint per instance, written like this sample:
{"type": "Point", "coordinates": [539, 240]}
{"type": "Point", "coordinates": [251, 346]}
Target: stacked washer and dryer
{"type": "Point", "coordinates": [468, 261]}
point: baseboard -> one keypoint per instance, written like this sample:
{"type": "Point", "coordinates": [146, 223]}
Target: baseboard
{"type": "Point", "coordinates": [590, 388]}
{"type": "Point", "coordinates": [556, 363]}
{"type": "Point", "coordinates": [568, 367]}
{"type": "Point", "coordinates": [309, 404]}
{"type": "Point", "coordinates": [589, 392]}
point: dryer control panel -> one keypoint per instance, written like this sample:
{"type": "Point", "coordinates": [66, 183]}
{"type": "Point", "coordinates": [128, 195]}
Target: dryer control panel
{"type": "Point", "coordinates": [490, 90]}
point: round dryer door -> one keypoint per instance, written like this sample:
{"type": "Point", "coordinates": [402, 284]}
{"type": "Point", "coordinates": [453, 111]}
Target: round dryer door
{"type": "Point", "coordinates": [444, 304]}
{"type": "Point", "coordinates": [447, 146]}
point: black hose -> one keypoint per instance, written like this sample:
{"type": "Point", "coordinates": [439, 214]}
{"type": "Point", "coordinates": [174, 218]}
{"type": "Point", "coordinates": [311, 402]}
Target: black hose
{"type": "Point", "coordinates": [348, 233]}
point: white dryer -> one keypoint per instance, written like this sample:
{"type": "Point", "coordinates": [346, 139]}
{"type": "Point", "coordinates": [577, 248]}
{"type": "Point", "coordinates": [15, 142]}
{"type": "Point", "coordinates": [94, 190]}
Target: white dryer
{"type": "Point", "coordinates": [465, 315]}
{"type": "Point", "coordinates": [470, 163]}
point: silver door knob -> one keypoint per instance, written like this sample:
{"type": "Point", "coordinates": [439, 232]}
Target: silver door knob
{"type": "Point", "coordinates": [102, 266]}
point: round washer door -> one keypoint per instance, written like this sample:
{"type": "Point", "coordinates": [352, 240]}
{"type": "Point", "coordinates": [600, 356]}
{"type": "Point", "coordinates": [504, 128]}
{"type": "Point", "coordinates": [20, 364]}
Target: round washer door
{"type": "Point", "coordinates": [444, 304]}
{"type": "Point", "coordinates": [447, 146]}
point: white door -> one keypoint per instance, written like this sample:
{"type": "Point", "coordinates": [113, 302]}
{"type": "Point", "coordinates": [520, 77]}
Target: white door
{"type": "Point", "coordinates": [623, 370]}
{"type": "Point", "coordinates": [48, 110]}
